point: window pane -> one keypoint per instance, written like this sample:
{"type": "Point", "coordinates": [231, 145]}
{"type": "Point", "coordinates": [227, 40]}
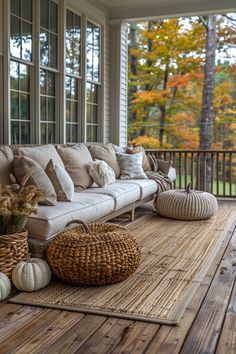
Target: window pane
{"type": "Point", "coordinates": [53, 51]}
{"type": "Point", "coordinates": [51, 109]}
{"type": "Point", "coordinates": [91, 113]}
{"type": "Point", "coordinates": [43, 82]}
{"type": "Point", "coordinates": [93, 52]}
{"type": "Point", "coordinates": [44, 19]}
{"type": "Point", "coordinates": [43, 133]}
{"type": "Point", "coordinates": [24, 106]}
{"type": "Point", "coordinates": [74, 113]}
{"type": "Point", "coordinates": [51, 133]}
{"type": "Point", "coordinates": [26, 41]}
{"type": "Point", "coordinates": [44, 48]}
{"type": "Point", "coordinates": [68, 133]}
{"type": "Point", "coordinates": [68, 111]}
{"type": "Point", "coordinates": [27, 10]}
{"type": "Point", "coordinates": [91, 133]}
{"type": "Point", "coordinates": [15, 136]}
{"type": "Point", "coordinates": [53, 16]}
{"type": "Point", "coordinates": [73, 34]}
{"type": "Point", "coordinates": [24, 78]}
{"type": "Point", "coordinates": [14, 75]}
{"type": "Point", "coordinates": [68, 87]}
{"type": "Point", "coordinates": [74, 134]}
{"type": "Point", "coordinates": [15, 40]}
{"type": "Point", "coordinates": [74, 89]}
{"type": "Point", "coordinates": [25, 133]}
{"type": "Point", "coordinates": [50, 84]}
{"type": "Point", "coordinates": [15, 7]}
{"type": "Point", "coordinates": [43, 104]}
{"type": "Point", "coordinates": [14, 105]}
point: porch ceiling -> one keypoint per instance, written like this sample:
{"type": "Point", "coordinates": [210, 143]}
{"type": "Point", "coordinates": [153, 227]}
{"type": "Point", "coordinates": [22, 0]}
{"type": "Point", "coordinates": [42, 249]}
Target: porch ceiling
{"type": "Point", "coordinates": [147, 9]}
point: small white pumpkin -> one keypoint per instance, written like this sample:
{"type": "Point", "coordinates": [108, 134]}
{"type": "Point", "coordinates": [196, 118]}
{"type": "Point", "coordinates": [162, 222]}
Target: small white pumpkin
{"type": "Point", "coordinates": [31, 275]}
{"type": "Point", "coordinates": [5, 286]}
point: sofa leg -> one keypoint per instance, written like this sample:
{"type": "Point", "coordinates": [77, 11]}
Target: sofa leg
{"type": "Point", "coordinates": [132, 215]}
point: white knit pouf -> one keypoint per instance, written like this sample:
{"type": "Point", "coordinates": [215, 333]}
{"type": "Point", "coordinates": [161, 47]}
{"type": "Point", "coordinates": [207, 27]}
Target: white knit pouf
{"type": "Point", "coordinates": [186, 204]}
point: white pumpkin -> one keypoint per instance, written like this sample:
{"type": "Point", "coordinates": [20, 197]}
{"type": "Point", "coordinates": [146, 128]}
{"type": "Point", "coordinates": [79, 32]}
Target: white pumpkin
{"type": "Point", "coordinates": [5, 286]}
{"type": "Point", "coordinates": [31, 275]}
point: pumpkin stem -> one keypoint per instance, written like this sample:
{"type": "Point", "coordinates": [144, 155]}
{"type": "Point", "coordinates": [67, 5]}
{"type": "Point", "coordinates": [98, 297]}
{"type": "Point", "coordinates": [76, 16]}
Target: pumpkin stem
{"type": "Point", "coordinates": [189, 186]}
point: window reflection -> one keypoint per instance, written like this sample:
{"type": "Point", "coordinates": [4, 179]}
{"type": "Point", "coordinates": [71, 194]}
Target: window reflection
{"type": "Point", "coordinates": [73, 43]}
{"type": "Point", "coordinates": [20, 102]}
{"type": "Point", "coordinates": [93, 52]}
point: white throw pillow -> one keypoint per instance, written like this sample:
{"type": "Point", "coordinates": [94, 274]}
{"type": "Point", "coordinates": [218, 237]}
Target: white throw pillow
{"type": "Point", "coordinates": [101, 173]}
{"type": "Point", "coordinates": [61, 182]}
{"type": "Point", "coordinates": [131, 166]}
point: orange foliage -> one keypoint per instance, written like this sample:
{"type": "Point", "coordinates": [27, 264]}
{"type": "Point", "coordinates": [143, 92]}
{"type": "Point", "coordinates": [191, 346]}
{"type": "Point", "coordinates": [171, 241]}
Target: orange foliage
{"type": "Point", "coordinates": [148, 142]}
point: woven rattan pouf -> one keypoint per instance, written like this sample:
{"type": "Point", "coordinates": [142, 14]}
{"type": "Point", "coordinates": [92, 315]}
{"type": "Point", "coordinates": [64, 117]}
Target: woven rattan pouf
{"type": "Point", "coordinates": [186, 204]}
{"type": "Point", "coordinates": [93, 254]}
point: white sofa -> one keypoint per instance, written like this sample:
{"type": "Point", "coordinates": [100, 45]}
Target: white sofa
{"type": "Point", "coordinates": [89, 205]}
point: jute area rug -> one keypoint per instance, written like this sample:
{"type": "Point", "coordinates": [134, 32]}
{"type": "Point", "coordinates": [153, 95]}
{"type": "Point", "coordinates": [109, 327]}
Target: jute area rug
{"type": "Point", "coordinates": [175, 257]}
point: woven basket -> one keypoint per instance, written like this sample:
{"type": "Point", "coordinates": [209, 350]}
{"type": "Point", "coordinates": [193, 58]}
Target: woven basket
{"type": "Point", "coordinates": [186, 204]}
{"type": "Point", "coordinates": [13, 249]}
{"type": "Point", "coordinates": [93, 254]}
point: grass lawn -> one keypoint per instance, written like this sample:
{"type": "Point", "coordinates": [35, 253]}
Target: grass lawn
{"type": "Point", "coordinates": [220, 186]}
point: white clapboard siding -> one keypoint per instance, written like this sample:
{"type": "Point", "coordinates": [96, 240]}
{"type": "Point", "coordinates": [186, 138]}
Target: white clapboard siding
{"type": "Point", "coordinates": [123, 85]}
{"type": "Point", "coordinates": [107, 86]}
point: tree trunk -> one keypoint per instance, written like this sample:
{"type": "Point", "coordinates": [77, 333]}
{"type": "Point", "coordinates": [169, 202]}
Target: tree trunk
{"type": "Point", "coordinates": [207, 114]}
{"type": "Point", "coordinates": [163, 108]}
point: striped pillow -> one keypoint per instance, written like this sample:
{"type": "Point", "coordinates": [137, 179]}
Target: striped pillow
{"type": "Point", "coordinates": [131, 166]}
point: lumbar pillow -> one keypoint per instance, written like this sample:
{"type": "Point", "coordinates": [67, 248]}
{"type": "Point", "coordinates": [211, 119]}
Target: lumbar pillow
{"type": "Point", "coordinates": [131, 166]}
{"type": "Point", "coordinates": [24, 165]}
{"type": "Point", "coordinates": [76, 159]}
{"type": "Point", "coordinates": [6, 159]}
{"type": "Point", "coordinates": [61, 182]}
{"type": "Point", "coordinates": [42, 154]}
{"type": "Point", "coordinates": [106, 153]}
{"type": "Point", "coordinates": [101, 173]}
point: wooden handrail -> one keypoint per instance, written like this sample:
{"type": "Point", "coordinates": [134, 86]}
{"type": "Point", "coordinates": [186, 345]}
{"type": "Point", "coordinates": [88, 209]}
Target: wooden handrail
{"type": "Point", "coordinates": [213, 171]}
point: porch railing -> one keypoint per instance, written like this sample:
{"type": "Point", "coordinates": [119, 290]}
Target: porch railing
{"type": "Point", "coordinates": [208, 170]}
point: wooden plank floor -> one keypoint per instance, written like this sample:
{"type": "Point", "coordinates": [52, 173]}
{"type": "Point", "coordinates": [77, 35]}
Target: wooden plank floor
{"type": "Point", "coordinates": [208, 325]}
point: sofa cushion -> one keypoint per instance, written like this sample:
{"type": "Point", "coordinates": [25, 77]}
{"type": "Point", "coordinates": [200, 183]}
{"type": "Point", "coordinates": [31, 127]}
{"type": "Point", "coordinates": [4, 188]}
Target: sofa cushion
{"type": "Point", "coordinates": [107, 154]}
{"type": "Point", "coordinates": [61, 182]}
{"type": "Point", "coordinates": [123, 193]}
{"type": "Point", "coordinates": [87, 207]}
{"type": "Point", "coordinates": [76, 159]}
{"type": "Point", "coordinates": [6, 166]}
{"type": "Point", "coordinates": [41, 154]}
{"type": "Point", "coordinates": [147, 186]}
{"type": "Point", "coordinates": [24, 165]}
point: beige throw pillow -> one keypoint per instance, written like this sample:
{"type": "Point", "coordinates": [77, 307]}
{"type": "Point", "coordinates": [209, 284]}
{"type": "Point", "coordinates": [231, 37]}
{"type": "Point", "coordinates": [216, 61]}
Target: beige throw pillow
{"type": "Point", "coordinates": [23, 165]}
{"type": "Point", "coordinates": [107, 154]}
{"type": "Point", "coordinates": [42, 154]}
{"type": "Point", "coordinates": [6, 164]}
{"type": "Point", "coordinates": [76, 159]}
{"type": "Point", "coordinates": [101, 173]}
{"type": "Point", "coordinates": [61, 182]}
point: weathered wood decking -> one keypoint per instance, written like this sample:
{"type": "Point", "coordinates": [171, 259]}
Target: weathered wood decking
{"type": "Point", "coordinates": [208, 325]}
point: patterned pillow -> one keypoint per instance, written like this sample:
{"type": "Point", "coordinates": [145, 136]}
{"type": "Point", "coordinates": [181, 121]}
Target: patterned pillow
{"type": "Point", "coordinates": [61, 182]}
{"type": "Point", "coordinates": [137, 149]}
{"type": "Point", "coordinates": [101, 173]}
{"type": "Point", "coordinates": [131, 166]}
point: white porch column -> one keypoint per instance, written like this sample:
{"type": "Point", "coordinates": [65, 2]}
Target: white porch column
{"type": "Point", "coordinates": [119, 82]}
